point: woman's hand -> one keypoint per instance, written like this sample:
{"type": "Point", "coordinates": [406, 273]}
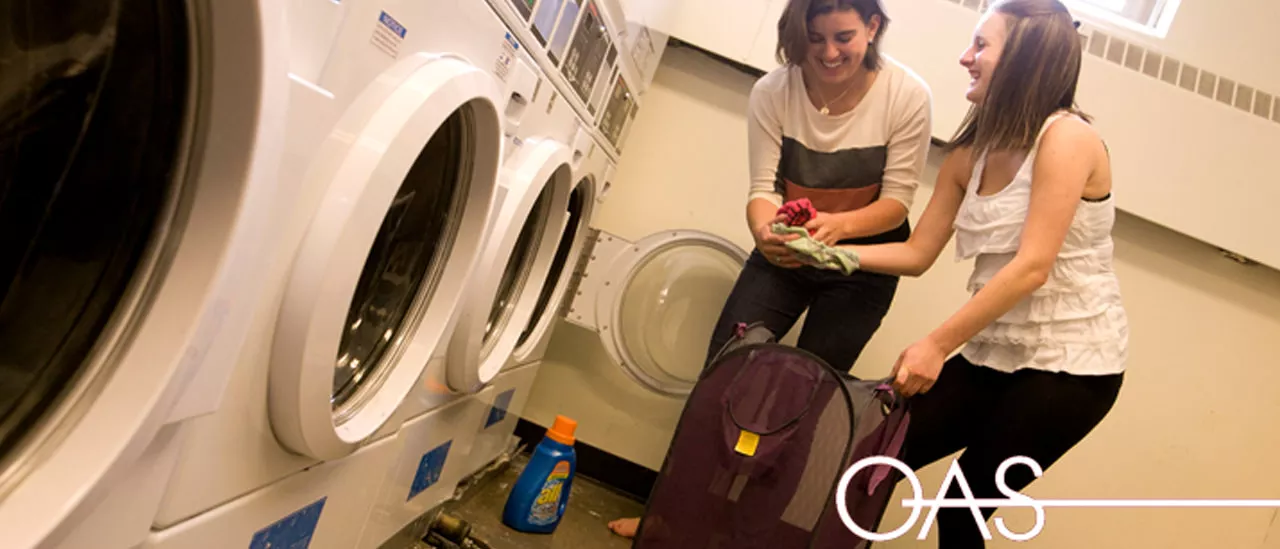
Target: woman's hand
{"type": "Point", "coordinates": [774, 246]}
{"type": "Point", "coordinates": [827, 228]}
{"type": "Point", "coordinates": [918, 368]}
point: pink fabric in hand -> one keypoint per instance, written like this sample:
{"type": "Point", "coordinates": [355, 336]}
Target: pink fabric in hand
{"type": "Point", "coordinates": [798, 212]}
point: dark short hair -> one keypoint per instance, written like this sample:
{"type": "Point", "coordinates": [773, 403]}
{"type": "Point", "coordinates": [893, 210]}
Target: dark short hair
{"type": "Point", "coordinates": [1037, 75]}
{"type": "Point", "coordinates": [793, 27]}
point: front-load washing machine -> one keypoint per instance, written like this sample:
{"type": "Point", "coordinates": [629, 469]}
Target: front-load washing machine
{"type": "Point", "coordinates": [442, 447]}
{"type": "Point", "coordinates": [139, 144]}
{"type": "Point", "coordinates": [541, 202]}
{"type": "Point", "coordinates": [395, 142]}
{"type": "Point", "coordinates": [503, 401]}
{"type": "Point", "coordinates": [577, 46]}
{"type": "Point", "coordinates": [650, 292]}
{"type": "Point", "coordinates": [636, 339]}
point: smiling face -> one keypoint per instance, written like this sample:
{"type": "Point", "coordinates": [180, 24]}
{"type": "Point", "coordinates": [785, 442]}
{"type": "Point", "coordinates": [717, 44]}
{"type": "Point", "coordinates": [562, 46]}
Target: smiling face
{"type": "Point", "coordinates": [838, 42]}
{"type": "Point", "coordinates": [983, 54]}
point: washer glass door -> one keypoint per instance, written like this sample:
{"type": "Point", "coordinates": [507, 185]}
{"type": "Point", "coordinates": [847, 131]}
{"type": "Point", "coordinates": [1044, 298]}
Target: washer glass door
{"type": "Point", "coordinates": [409, 173]}
{"type": "Point", "coordinates": [93, 117]}
{"type": "Point", "coordinates": [516, 273]}
{"type": "Point", "coordinates": [514, 265]}
{"type": "Point", "coordinates": [555, 275]}
{"type": "Point", "coordinates": [667, 306]}
{"type": "Point", "coordinates": [406, 259]}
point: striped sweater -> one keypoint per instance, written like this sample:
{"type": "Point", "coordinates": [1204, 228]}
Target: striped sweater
{"type": "Point", "coordinates": [841, 162]}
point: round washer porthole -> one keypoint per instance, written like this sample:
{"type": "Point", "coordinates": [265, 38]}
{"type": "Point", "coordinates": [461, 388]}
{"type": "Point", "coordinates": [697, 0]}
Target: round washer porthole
{"type": "Point", "coordinates": [515, 274]}
{"type": "Point", "coordinates": [91, 164]}
{"type": "Point", "coordinates": [405, 264]}
{"type": "Point", "coordinates": [552, 294]}
{"type": "Point", "coordinates": [661, 301]}
{"type": "Point", "coordinates": [388, 255]}
{"type": "Point", "coordinates": [514, 266]}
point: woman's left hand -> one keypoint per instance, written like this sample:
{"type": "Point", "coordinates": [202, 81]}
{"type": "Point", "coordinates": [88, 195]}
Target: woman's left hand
{"type": "Point", "coordinates": [827, 228]}
{"type": "Point", "coordinates": [918, 368]}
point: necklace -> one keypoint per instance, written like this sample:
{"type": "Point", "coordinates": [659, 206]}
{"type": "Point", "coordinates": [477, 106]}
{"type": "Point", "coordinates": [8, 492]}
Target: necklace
{"type": "Point", "coordinates": [825, 110]}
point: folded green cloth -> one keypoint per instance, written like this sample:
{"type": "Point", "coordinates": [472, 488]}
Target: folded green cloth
{"type": "Point", "coordinates": [821, 255]}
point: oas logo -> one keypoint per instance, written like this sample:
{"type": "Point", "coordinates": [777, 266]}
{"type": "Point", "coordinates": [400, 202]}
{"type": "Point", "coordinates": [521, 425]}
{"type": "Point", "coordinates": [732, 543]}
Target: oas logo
{"type": "Point", "coordinates": [1014, 499]}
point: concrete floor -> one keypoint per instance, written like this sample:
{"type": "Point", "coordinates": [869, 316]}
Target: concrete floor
{"type": "Point", "coordinates": [584, 526]}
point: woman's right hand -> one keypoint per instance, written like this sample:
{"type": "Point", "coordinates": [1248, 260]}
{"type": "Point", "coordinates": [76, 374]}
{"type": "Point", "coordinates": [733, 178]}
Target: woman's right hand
{"type": "Point", "coordinates": [774, 246]}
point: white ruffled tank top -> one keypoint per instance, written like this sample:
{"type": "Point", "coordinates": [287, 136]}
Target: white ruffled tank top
{"type": "Point", "coordinates": [1076, 322]}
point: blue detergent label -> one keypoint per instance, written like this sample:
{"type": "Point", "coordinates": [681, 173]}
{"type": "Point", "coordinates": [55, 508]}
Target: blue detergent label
{"type": "Point", "coordinates": [546, 508]}
{"type": "Point", "coordinates": [498, 411]}
{"type": "Point", "coordinates": [291, 532]}
{"type": "Point", "coordinates": [429, 469]}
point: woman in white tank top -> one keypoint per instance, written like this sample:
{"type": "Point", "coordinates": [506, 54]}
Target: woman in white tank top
{"type": "Point", "coordinates": [1026, 190]}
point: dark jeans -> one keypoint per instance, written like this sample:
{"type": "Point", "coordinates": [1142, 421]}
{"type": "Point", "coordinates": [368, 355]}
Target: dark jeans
{"type": "Point", "coordinates": [844, 311]}
{"type": "Point", "coordinates": [993, 416]}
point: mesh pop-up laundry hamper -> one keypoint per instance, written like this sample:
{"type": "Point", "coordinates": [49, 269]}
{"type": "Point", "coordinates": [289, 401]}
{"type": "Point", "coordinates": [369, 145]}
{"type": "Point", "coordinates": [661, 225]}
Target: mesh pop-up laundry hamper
{"type": "Point", "coordinates": [762, 443]}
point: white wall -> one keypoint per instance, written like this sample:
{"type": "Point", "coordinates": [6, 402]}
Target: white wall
{"type": "Point", "coordinates": [1234, 37]}
{"type": "Point", "coordinates": [1199, 416]}
{"type": "Point", "coordinates": [1231, 38]}
{"type": "Point", "coordinates": [1193, 163]}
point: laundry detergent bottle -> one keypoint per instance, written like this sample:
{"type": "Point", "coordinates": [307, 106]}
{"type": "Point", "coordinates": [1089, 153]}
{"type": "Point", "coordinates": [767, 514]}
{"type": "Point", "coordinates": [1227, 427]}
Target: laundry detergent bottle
{"type": "Point", "coordinates": [539, 497]}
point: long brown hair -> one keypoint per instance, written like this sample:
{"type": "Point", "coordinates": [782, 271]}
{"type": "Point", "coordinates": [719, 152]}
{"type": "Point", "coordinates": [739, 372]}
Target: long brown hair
{"type": "Point", "coordinates": [793, 27]}
{"type": "Point", "coordinates": [1037, 76]}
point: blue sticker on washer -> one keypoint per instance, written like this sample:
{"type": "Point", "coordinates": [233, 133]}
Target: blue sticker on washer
{"type": "Point", "coordinates": [388, 34]}
{"type": "Point", "coordinates": [291, 532]}
{"type": "Point", "coordinates": [498, 411]}
{"type": "Point", "coordinates": [429, 469]}
{"type": "Point", "coordinates": [391, 24]}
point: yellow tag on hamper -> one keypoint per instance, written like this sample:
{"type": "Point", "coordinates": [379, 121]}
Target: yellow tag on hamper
{"type": "Point", "coordinates": [747, 442]}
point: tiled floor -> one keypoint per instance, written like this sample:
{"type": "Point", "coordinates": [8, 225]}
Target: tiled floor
{"type": "Point", "coordinates": [591, 507]}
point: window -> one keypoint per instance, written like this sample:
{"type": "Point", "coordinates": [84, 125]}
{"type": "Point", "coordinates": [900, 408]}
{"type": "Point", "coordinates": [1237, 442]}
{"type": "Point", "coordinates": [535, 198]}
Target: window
{"type": "Point", "coordinates": [1113, 5]}
{"type": "Point", "coordinates": [1147, 16]}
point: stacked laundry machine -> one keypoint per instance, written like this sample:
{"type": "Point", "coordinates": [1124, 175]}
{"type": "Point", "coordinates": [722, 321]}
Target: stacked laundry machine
{"type": "Point", "coordinates": [282, 274]}
{"type": "Point", "coordinates": [634, 337]}
{"type": "Point", "coordinates": [441, 185]}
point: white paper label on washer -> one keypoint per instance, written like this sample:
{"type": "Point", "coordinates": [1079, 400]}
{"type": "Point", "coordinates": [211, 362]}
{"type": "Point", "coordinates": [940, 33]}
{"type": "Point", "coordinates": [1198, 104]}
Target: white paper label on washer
{"type": "Point", "coordinates": [643, 48]}
{"type": "Point", "coordinates": [206, 332]}
{"type": "Point", "coordinates": [388, 34]}
{"type": "Point", "coordinates": [502, 66]}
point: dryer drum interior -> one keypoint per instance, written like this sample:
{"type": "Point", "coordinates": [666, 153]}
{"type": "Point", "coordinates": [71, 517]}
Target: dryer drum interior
{"type": "Point", "coordinates": [407, 259]}
{"type": "Point", "coordinates": [95, 119]}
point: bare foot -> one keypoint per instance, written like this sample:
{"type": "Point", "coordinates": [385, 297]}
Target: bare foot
{"type": "Point", "coordinates": [625, 527]}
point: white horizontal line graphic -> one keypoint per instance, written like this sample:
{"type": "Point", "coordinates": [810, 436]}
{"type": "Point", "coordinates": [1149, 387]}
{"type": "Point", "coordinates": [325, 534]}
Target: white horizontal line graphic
{"type": "Point", "coordinates": [1101, 503]}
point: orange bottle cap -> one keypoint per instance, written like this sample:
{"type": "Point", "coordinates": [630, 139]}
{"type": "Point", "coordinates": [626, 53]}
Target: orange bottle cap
{"type": "Point", "coordinates": [562, 430]}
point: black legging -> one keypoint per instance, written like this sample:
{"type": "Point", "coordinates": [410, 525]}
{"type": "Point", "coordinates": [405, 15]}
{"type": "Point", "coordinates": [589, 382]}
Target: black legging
{"type": "Point", "coordinates": [992, 416]}
{"type": "Point", "coordinates": [844, 311]}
